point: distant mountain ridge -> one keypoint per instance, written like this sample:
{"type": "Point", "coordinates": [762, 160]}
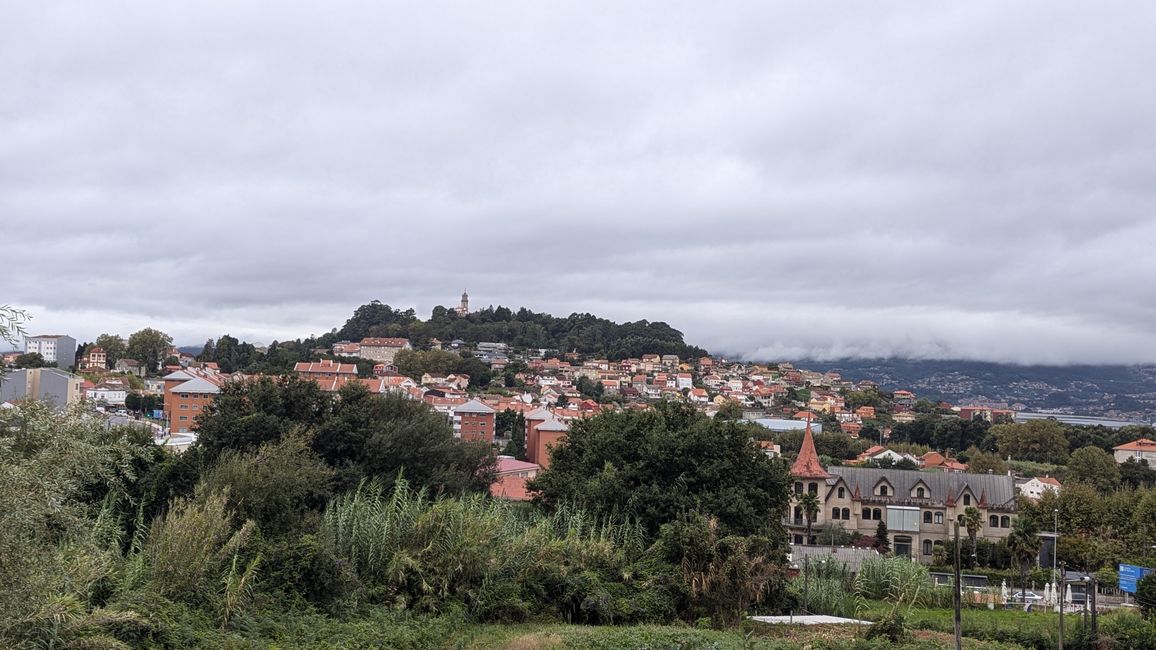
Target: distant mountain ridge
{"type": "Point", "coordinates": [1124, 392]}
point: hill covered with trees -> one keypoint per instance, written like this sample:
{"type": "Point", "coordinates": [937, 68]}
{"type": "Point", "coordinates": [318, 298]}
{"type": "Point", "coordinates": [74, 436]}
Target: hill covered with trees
{"type": "Point", "coordinates": [583, 333]}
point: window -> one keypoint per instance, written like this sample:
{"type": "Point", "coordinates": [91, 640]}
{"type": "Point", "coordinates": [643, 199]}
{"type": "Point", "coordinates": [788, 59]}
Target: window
{"type": "Point", "coordinates": [993, 521]}
{"type": "Point", "coordinates": [813, 488]}
{"type": "Point", "coordinates": [842, 493]}
{"type": "Point", "coordinates": [927, 516]}
{"type": "Point", "coordinates": [184, 417]}
{"type": "Point", "coordinates": [939, 517]}
{"type": "Point", "coordinates": [927, 547]}
{"type": "Point", "coordinates": [967, 499]}
{"type": "Point", "coordinates": [184, 407]}
{"type": "Point", "coordinates": [847, 514]}
{"type": "Point", "coordinates": [878, 514]}
{"type": "Point", "coordinates": [798, 488]}
{"type": "Point", "coordinates": [919, 493]}
{"type": "Point", "coordinates": [866, 514]}
{"type": "Point", "coordinates": [1005, 522]}
{"type": "Point", "coordinates": [798, 539]}
{"type": "Point", "coordinates": [882, 490]}
{"type": "Point", "coordinates": [834, 513]}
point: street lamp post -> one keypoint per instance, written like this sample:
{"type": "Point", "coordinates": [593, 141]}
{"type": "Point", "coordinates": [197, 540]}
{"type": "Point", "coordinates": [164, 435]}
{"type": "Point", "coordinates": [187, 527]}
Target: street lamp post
{"type": "Point", "coordinates": [1055, 540]}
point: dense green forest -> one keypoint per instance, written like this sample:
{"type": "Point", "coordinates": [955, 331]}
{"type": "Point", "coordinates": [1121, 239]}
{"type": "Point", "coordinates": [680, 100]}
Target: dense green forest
{"type": "Point", "coordinates": [583, 333]}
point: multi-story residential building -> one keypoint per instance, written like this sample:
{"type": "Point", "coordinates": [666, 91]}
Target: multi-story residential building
{"type": "Point", "coordinates": [474, 422]}
{"type": "Point", "coordinates": [346, 349]}
{"type": "Point", "coordinates": [110, 391]}
{"type": "Point", "coordinates": [543, 431]}
{"type": "Point", "coordinates": [188, 393]}
{"type": "Point", "coordinates": [1035, 488]}
{"type": "Point", "coordinates": [325, 369]}
{"type": "Point", "coordinates": [918, 508]}
{"type": "Point", "coordinates": [383, 349]}
{"type": "Point", "coordinates": [52, 385]}
{"type": "Point", "coordinates": [1137, 450]}
{"type": "Point", "coordinates": [55, 348]}
{"type": "Point", "coordinates": [95, 358]}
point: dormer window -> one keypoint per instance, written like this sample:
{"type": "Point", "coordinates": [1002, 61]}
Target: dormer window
{"type": "Point", "coordinates": [842, 493]}
{"type": "Point", "coordinates": [920, 493]}
{"type": "Point", "coordinates": [967, 499]}
{"type": "Point", "coordinates": [882, 490]}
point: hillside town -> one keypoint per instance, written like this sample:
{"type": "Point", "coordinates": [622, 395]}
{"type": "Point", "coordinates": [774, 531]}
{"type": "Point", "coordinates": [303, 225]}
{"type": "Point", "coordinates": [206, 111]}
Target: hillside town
{"type": "Point", "coordinates": [918, 492]}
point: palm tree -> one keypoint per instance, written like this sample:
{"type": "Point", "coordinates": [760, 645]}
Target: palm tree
{"type": "Point", "coordinates": [1024, 543]}
{"type": "Point", "coordinates": [973, 521]}
{"type": "Point", "coordinates": [810, 504]}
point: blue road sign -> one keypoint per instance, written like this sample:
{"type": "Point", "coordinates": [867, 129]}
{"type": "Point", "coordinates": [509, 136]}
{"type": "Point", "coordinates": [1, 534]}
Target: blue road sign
{"type": "Point", "coordinates": [1130, 574]}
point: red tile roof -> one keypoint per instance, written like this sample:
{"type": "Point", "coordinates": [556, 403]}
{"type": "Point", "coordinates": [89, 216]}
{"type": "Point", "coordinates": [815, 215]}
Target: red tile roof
{"type": "Point", "coordinates": [1142, 444]}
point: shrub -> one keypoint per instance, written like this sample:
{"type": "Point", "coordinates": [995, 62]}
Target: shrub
{"type": "Point", "coordinates": [191, 546]}
{"type": "Point", "coordinates": [1128, 630]}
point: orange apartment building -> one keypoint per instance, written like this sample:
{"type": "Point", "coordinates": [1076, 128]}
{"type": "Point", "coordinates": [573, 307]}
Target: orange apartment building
{"type": "Point", "coordinates": [474, 422]}
{"type": "Point", "coordinates": [188, 393]}
{"type": "Point", "coordinates": [543, 431]}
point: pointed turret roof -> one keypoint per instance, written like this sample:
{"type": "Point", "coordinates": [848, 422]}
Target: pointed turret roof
{"type": "Point", "coordinates": [807, 465]}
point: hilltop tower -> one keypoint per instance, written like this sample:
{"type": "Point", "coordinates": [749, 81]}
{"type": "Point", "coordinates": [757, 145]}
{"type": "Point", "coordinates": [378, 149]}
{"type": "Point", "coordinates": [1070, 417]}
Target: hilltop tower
{"type": "Point", "coordinates": [464, 307]}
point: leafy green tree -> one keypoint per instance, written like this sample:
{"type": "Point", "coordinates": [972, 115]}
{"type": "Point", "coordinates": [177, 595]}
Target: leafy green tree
{"type": "Point", "coordinates": [1042, 441]}
{"type": "Point", "coordinates": [1146, 594]}
{"type": "Point", "coordinates": [730, 410]}
{"type": "Point", "coordinates": [32, 360]}
{"type": "Point", "coordinates": [661, 463]}
{"type": "Point", "coordinates": [725, 574]}
{"type": "Point", "coordinates": [114, 348]}
{"type": "Point", "coordinates": [149, 346]}
{"type": "Point", "coordinates": [245, 415]}
{"type": "Point", "coordinates": [58, 471]}
{"type": "Point", "coordinates": [516, 434]}
{"type": "Point", "coordinates": [1144, 518]}
{"type": "Point", "coordinates": [1093, 466]}
{"type": "Point", "coordinates": [1137, 474]}
{"type": "Point", "coordinates": [282, 486]}
{"type": "Point", "coordinates": [981, 462]}
{"type": "Point", "coordinates": [810, 504]}
{"type": "Point", "coordinates": [415, 363]}
{"type": "Point", "coordinates": [973, 521]}
{"type": "Point", "coordinates": [12, 322]}
{"type": "Point", "coordinates": [882, 539]}
{"type": "Point", "coordinates": [371, 435]}
{"type": "Point", "coordinates": [1024, 544]}
{"type": "Point", "coordinates": [208, 352]}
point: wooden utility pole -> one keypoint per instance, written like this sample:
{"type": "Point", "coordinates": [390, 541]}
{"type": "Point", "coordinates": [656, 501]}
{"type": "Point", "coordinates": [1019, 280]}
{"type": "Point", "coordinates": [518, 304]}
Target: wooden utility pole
{"type": "Point", "coordinates": [957, 595]}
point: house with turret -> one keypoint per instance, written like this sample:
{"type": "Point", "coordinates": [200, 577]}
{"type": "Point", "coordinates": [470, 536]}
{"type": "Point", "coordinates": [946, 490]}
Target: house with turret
{"type": "Point", "coordinates": [917, 507]}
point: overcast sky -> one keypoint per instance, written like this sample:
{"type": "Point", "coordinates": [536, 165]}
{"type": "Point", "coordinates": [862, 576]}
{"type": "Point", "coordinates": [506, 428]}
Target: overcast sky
{"type": "Point", "coordinates": [782, 180]}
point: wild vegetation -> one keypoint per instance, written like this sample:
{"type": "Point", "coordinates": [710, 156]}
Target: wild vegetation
{"type": "Point", "coordinates": [294, 503]}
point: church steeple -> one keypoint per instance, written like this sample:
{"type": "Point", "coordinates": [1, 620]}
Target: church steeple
{"type": "Point", "coordinates": [464, 307]}
{"type": "Point", "coordinates": [807, 465]}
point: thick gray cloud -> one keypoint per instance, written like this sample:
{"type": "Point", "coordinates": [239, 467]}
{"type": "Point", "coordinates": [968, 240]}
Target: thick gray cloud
{"type": "Point", "coordinates": [777, 180]}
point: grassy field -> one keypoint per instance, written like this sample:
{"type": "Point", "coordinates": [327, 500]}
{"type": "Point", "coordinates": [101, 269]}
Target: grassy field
{"type": "Point", "coordinates": [385, 629]}
{"type": "Point", "coordinates": [1035, 629]}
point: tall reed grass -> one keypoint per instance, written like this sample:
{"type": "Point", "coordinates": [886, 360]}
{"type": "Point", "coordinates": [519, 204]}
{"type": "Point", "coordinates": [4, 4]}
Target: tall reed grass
{"type": "Point", "coordinates": [427, 553]}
